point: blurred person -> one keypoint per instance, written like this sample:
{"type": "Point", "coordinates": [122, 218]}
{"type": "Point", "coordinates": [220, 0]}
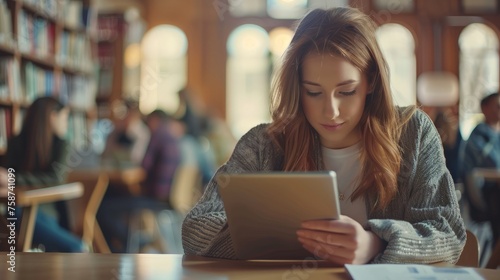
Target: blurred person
{"type": "Point", "coordinates": [127, 142]}
{"type": "Point", "coordinates": [162, 156]}
{"type": "Point", "coordinates": [189, 113]}
{"type": "Point", "coordinates": [39, 156]}
{"type": "Point", "coordinates": [197, 126]}
{"type": "Point", "coordinates": [222, 140]}
{"type": "Point", "coordinates": [446, 121]}
{"type": "Point", "coordinates": [482, 150]}
{"type": "Point", "coordinates": [160, 162]}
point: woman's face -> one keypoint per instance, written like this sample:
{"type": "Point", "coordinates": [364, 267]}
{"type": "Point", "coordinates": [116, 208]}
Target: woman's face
{"type": "Point", "coordinates": [333, 97]}
{"type": "Point", "coordinates": [59, 122]}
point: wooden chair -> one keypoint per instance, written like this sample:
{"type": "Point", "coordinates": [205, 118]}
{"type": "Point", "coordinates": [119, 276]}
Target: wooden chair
{"type": "Point", "coordinates": [186, 189]}
{"type": "Point", "coordinates": [83, 211]}
{"type": "Point", "coordinates": [494, 261]}
{"type": "Point", "coordinates": [470, 254]}
{"type": "Point", "coordinates": [145, 224]}
{"type": "Point", "coordinates": [30, 198]}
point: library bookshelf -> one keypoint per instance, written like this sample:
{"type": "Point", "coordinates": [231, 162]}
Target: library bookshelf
{"type": "Point", "coordinates": [47, 48]}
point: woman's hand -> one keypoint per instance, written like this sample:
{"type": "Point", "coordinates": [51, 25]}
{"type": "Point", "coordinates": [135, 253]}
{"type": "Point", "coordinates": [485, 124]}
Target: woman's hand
{"type": "Point", "coordinates": [340, 241]}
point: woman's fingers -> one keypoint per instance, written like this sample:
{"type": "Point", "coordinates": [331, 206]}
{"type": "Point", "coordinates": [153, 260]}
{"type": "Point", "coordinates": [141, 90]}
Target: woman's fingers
{"type": "Point", "coordinates": [328, 238]}
{"type": "Point", "coordinates": [331, 253]}
{"type": "Point", "coordinates": [342, 225]}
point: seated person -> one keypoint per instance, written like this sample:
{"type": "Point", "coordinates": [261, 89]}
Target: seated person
{"type": "Point", "coordinates": [161, 160]}
{"type": "Point", "coordinates": [127, 142]}
{"type": "Point", "coordinates": [39, 157]}
{"type": "Point", "coordinates": [333, 110]}
{"type": "Point", "coordinates": [482, 150]}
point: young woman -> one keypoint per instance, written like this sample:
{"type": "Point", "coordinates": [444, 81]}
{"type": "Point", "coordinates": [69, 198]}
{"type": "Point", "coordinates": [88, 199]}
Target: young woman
{"type": "Point", "coordinates": [38, 155]}
{"type": "Point", "coordinates": [333, 110]}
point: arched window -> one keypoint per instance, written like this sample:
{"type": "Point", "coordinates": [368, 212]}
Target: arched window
{"type": "Point", "coordinates": [163, 69]}
{"type": "Point", "coordinates": [286, 8]}
{"type": "Point", "coordinates": [479, 72]}
{"type": "Point", "coordinates": [279, 39]}
{"type": "Point", "coordinates": [398, 47]}
{"type": "Point", "coordinates": [248, 76]}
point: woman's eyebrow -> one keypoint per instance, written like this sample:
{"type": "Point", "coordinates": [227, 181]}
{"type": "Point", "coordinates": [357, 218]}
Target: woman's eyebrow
{"type": "Point", "coordinates": [350, 81]}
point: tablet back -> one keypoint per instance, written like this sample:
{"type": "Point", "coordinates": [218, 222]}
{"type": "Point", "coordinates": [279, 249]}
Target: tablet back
{"type": "Point", "coordinates": [264, 210]}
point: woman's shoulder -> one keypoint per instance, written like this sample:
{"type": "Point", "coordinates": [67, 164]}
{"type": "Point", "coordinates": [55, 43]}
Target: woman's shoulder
{"type": "Point", "coordinates": [416, 124]}
{"type": "Point", "coordinates": [257, 138]}
{"type": "Point", "coordinates": [257, 133]}
{"type": "Point", "coordinates": [413, 116]}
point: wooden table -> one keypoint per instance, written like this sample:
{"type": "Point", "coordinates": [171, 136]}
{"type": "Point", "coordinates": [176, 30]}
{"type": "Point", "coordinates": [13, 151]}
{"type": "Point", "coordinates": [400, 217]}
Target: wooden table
{"type": "Point", "coordinates": [156, 266]}
{"type": "Point", "coordinates": [489, 174]}
{"type": "Point", "coordinates": [131, 176]}
{"type": "Point", "coordinates": [30, 198]}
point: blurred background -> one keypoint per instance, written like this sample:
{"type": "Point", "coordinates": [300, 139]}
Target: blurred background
{"type": "Point", "coordinates": [208, 65]}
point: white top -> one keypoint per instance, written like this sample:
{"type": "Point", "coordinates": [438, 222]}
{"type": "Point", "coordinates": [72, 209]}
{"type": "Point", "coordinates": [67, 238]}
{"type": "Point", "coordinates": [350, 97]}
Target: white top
{"type": "Point", "coordinates": [346, 163]}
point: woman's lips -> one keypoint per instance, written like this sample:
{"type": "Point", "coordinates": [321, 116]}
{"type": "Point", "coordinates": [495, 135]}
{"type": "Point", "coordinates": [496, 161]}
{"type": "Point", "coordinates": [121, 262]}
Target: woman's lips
{"type": "Point", "coordinates": [332, 127]}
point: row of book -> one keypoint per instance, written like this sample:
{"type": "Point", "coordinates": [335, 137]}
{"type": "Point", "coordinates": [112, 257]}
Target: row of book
{"type": "Point", "coordinates": [5, 24]}
{"type": "Point", "coordinates": [35, 35]}
{"type": "Point", "coordinates": [74, 51]}
{"type": "Point", "coordinates": [78, 91]}
{"type": "Point", "coordinates": [10, 80]}
{"type": "Point", "coordinates": [71, 13]}
{"type": "Point", "coordinates": [5, 127]}
{"type": "Point", "coordinates": [46, 7]}
{"type": "Point", "coordinates": [110, 27]}
{"type": "Point", "coordinates": [75, 90]}
{"type": "Point", "coordinates": [37, 82]}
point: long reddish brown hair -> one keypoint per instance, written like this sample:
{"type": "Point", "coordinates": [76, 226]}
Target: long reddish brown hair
{"type": "Point", "coordinates": [350, 34]}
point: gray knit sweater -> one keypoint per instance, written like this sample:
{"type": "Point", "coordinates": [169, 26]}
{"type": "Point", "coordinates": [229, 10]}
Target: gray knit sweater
{"type": "Point", "coordinates": [421, 225]}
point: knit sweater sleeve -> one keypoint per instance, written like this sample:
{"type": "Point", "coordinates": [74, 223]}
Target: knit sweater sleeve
{"type": "Point", "coordinates": [205, 231]}
{"type": "Point", "coordinates": [423, 224]}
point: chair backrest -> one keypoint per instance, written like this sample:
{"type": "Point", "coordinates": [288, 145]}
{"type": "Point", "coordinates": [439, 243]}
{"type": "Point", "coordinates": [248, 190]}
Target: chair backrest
{"type": "Point", "coordinates": [470, 254]}
{"type": "Point", "coordinates": [84, 209]}
{"type": "Point", "coordinates": [476, 204]}
{"type": "Point", "coordinates": [494, 261]}
{"type": "Point", "coordinates": [186, 188]}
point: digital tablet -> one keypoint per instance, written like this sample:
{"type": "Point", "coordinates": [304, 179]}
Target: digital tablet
{"type": "Point", "coordinates": [264, 210]}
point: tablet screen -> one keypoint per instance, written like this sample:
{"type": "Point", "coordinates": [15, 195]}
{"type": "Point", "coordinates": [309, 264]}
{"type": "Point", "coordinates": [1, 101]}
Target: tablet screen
{"type": "Point", "coordinates": [264, 210]}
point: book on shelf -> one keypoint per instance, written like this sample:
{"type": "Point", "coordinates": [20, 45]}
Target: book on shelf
{"type": "Point", "coordinates": [5, 127]}
{"type": "Point", "coordinates": [4, 82]}
{"type": "Point", "coordinates": [46, 7]}
{"type": "Point", "coordinates": [35, 35]}
{"type": "Point", "coordinates": [77, 91]}
{"type": "Point", "coordinates": [110, 27]}
{"type": "Point", "coordinates": [37, 82]}
{"type": "Point", "coordinates": [10, 81]}
{"type": "Point", "coordinates": [5, 24]}
{"type": "Point", "coordinates": [72, 13]}
{"type": "Point", "coordinates": [18, 121]}
{"type": "Point", "coordinates": [74, 51]}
